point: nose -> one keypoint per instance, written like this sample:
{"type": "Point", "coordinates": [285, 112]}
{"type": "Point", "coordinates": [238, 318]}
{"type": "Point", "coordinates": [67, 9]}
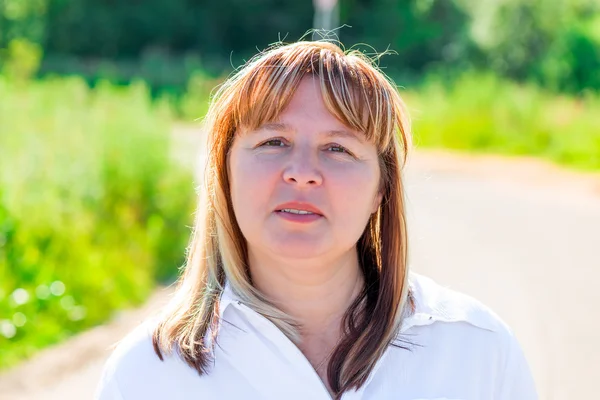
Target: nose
{"type": "Point", "coordinates": [303, 169]}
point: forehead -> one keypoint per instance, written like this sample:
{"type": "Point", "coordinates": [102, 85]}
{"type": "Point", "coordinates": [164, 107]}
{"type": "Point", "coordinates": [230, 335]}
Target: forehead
{"type": "Point", "coordinates": [308, 92]}
{"type": "Point", "coordinates": [308, 105]}
{"type": "Point", "coordinates": [307, 110]}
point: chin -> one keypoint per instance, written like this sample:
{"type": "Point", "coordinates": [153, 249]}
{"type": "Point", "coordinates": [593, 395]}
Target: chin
{"type": "Point", "coordinates": [297, 249]}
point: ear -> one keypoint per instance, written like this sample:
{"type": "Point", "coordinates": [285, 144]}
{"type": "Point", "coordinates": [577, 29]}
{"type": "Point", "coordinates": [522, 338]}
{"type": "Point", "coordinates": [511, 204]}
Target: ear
{"type": "Point", "coordinates": [377, 202]}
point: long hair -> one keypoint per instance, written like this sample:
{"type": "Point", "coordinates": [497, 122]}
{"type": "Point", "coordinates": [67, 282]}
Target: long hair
{"type": "Point", "coordinates": [362, 97]}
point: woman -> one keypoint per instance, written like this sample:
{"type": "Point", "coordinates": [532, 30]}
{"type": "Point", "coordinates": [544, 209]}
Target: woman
{"type": "Point", "coordinates": [296, 284]}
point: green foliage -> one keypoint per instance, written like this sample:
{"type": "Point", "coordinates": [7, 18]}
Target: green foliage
{"type": "Point", "coordinates": [127, 29]}
{"type": "Point", "coordinates": [573, 60]}
{"type": "Point", "coordinates": [22, 19]}
{"type": "Point", "coordinates": [165, 73]}
{"type": "Point", "coordinates": [422, 32]}
{"type": "Point", "coordinates": [93, 210]}
{"type": "Point", "coordinates": [554, 43]}
{"type": "Point", "coordinates": [485, 114]}
{"type": "Point", "coordinates": [21, 60]}
{"type": "Point", "coordinates": [193, 104]}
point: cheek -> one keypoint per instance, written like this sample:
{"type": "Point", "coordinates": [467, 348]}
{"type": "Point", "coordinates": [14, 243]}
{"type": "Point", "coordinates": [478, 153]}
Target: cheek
{"type": "Point", "coordinates": [355, 191]}
{"type": "Point", "coordinates": [250, 181]}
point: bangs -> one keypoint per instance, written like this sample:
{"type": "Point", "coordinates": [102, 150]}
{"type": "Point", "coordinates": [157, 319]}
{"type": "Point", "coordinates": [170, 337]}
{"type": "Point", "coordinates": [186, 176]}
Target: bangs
{"type": "Point", "coordinates": [353, 90]}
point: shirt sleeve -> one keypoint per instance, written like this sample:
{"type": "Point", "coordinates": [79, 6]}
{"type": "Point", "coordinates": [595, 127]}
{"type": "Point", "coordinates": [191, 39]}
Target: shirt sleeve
{"type": "Point", "coordinates": [517, 381]}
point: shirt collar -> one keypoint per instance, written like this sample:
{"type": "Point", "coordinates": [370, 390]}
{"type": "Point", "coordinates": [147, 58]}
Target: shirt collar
{"type": "Point", "coordinates": [432, 303]}
{"type": "Point", "coordinates": [228, 297]}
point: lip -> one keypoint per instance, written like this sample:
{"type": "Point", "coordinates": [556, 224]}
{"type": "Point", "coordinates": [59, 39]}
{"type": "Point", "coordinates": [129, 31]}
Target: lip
{"type": "Point", "coordinates": [299, 205]}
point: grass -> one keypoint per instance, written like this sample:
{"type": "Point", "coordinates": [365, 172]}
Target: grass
{"type": "Point", "coordinates": [481, 113]}
{"type": "Point", "coordinates": [93, 211]}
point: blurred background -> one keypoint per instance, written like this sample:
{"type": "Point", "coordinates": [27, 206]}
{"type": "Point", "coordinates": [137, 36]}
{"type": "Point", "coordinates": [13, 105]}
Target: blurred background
{"type": "Point", "coordinates": [99, 101]}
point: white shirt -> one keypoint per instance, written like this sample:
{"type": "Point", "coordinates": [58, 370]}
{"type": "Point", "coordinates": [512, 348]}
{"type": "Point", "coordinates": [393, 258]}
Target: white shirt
{"type": "Point", "coordinates": [463, 352]}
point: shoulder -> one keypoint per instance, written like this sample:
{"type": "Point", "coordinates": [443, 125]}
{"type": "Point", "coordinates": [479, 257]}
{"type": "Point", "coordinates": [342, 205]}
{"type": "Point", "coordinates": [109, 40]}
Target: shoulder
{"type": "Point", "coordinates": [134, 347]}
{"type": "Point", "coordinates": [450, 317]}
{"type": "Point", "coordinates": [466, 340]}
{"type": "Point", "coordinates": [134, 367]}
{"type": "Point", "coordinates": [434, 302]}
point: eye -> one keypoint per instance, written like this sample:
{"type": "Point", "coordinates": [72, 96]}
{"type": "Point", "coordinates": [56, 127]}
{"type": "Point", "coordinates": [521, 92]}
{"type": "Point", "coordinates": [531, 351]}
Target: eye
{"type": "Point", "coordinates": [338, 149]}
{"type": "Point", "coordinates": [273, 143]}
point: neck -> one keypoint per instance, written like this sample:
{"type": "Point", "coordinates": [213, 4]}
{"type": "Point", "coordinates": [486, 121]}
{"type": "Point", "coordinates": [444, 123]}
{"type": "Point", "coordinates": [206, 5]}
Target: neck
{"type": "Point", "coordinates": [315, 293]}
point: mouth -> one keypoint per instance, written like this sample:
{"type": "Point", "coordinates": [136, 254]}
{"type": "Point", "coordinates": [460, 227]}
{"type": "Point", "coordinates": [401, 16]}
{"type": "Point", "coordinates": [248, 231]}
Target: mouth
{"type": "Point", "coordinates": [298, 208]}
{"type": "Point", "coordinates": [297, 212]}
{"type": "Point", "coordinates": [298, 216]}
{"type": "Point", "coordinates": [300, 212]}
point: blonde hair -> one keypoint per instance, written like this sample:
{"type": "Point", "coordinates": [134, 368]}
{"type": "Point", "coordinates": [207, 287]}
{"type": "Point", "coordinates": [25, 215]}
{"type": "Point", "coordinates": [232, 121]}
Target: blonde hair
{"type": "Point", "coordinates": [362, 97]}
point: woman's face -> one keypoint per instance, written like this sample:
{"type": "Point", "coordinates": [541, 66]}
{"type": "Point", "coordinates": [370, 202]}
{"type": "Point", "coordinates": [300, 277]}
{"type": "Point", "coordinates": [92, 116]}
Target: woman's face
{"type": "Point", "coordinates": [311, 161]}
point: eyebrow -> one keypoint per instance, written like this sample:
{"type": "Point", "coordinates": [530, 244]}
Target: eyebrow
{"type": "Point", "coordinates": [283, 127]}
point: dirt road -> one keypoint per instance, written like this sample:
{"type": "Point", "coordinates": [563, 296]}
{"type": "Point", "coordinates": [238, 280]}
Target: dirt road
{"type": "Point", "coordinates": [519, 235]}
{"type": "Point", "coordinates": [524, 239]}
